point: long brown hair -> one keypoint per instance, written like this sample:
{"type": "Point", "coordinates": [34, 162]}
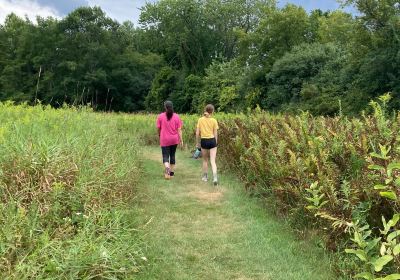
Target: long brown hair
{"type": "Point", "coordinates": [169, 109]}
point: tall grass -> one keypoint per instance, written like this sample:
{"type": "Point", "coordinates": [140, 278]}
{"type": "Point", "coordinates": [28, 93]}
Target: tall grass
{"type": "Point", "coordinates": [335, 175]}
{"type": "Point", "coordinates": [67, 178]}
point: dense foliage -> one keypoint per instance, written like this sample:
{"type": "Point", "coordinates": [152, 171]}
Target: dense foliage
{"type": "Point", "coordinates": [84, 58]}
{"type": "Point", "coordinates": [236, 54]}
{"type": "Point", "coordinates": [337, 175]}
{"type": "Point", "coordinates": [66, 193]}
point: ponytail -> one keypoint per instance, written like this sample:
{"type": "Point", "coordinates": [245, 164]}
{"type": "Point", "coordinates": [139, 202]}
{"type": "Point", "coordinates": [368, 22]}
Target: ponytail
{"type": "Point", "coordinates": [169, 109]}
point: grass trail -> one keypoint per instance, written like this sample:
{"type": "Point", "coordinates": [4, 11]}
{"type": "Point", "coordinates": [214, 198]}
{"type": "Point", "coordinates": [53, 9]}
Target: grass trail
{"type": "Point", "coordinates": [198, 231]}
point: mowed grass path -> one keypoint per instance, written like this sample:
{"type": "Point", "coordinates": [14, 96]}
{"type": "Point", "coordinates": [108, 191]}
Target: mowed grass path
{"type": "Point", "coordinates": [197, 231]}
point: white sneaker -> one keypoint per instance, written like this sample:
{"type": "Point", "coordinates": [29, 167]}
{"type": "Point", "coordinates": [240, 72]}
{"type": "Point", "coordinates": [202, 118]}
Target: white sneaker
{"type": "Point", "coordinates": [204, 178]}
{"type": "Point", "coordinates": [215, 180]}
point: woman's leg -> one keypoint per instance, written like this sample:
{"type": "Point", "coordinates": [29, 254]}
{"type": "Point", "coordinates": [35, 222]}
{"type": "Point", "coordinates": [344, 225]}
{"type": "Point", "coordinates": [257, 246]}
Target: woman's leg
{"type": "Point", "coordinates": [172, 158]}
{"type": "Point", "coordinates": [213, 156]}
{"type": "Point", "coordinates": [166, 155]}
{"type": "Point", "coordinates": [205, 155]}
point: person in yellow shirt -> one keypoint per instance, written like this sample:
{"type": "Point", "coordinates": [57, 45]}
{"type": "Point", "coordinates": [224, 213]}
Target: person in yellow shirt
{"type": "Point", "coordinates": [207, 139]}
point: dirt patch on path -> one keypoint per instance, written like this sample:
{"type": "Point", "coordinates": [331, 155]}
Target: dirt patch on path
{"type": "Point", "coordinates": [207, 196]}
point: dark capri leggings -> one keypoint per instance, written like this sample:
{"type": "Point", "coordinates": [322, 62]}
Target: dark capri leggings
{"type": "Point", "coordinates": [168, 154]}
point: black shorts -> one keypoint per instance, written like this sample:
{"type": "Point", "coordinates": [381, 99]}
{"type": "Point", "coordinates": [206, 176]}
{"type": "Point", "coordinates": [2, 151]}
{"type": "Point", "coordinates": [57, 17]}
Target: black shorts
{"type": "Point", "coordinates": [208, 144]}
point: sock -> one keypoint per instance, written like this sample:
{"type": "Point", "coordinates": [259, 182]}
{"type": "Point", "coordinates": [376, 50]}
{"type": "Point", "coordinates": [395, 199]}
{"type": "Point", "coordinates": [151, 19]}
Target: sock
{"type": "Point", "coordinates": [215, 177]}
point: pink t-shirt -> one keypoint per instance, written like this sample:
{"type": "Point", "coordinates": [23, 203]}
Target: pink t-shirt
{"type": "Point", "coordinates": [169, 134]}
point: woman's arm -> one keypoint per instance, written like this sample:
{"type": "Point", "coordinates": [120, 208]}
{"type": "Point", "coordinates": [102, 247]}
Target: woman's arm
{"type": "Point", "coordinates": [180, 135]}
{"type": "Point", "coordinates": [197, 137]}
{"type": "Point", "coordinates": [158, 124]}
{"type": "Point", "coordinates": [216, 135]}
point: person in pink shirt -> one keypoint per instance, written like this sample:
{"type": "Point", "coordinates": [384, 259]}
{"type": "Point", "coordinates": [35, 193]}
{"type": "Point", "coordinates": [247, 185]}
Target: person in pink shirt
{"type": "Point", "coordinates": [170, 131]}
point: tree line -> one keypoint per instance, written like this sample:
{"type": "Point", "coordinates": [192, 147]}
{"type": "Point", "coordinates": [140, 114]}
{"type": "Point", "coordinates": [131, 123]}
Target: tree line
{"type": "Point", "coordinates": [236, 54]}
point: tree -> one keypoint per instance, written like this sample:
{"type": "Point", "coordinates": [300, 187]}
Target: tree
{"type": "Point", "coordinates": [84, 58]}
{"type": "Point", "coordinates": [337, 27]}
{"type": "Point", "coordinates": [178, 30]}
{"type": "Point", "coordinates": [280, 30]}
{"type": "Point", "coordinates": [300, 77]}
{"type": "Point", "coordinates": [17, 77]}
{"type": "Point", "coordinates": [374, 50]}
{"type": "Point", "coordinates": [222, 86]}
{"type": "Point", "coordinates": [164, 84]}
{"type": "Point", "coordinates": [192, 89]}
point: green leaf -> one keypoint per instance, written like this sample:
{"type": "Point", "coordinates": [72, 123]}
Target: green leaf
{"type": "Point", "coordinates": [396, 250]}
{"type": "Point", "coordinates": [359, 253]}
{"type": "Point", "coordinates": [393, 235]}
{"type": "Point", "coordinates": [381, 262]}
{"type": "Point", "coordinates": [380, 187]}
{"type": "Point", "coordinates": [384, 221]}
{"type": "Point", "coordinates": [365, 275]}
{"type": "Point", "coordinates": [390, 195]}
{"type": "Point", "coordinates": [357, 239]}
{"type": "Point", "coordinates": [393, 166]}
{"type": "Point", "coordinates": [310, 207]}
{"type": "Point", "coordinates": [375, 167]}
{"type": "Point", "coordinates": [394, 220]}
{"type": "Point", "coordinates": [323, 203]}
{"type": "Point", "coordinates": [389, 180]}
{"type": "Point", "coordinates": [371, 245]}
{"type": "Point", "coordinates": [397, 182]}
{"type": "Point", "coordinates": [390, 277]}
{"type": "Point", "coordinates": [364, 228]}
{"type": "Point", "coordinates": [383, 249]}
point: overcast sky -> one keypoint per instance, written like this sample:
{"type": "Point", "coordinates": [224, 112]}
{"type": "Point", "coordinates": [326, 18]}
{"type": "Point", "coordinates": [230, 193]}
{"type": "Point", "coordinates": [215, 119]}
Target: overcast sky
{"type": "Point", "coordinates": [120, 10]}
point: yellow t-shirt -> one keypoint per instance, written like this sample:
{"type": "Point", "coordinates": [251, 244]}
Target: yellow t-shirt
{"type": "Point", "coordinates": [207, 126]}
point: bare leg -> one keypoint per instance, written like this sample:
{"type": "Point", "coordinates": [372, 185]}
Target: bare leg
{"type": "Point", "coordinates": [205, 155]}
{"type": "Point", "coordinates": [213, 155]}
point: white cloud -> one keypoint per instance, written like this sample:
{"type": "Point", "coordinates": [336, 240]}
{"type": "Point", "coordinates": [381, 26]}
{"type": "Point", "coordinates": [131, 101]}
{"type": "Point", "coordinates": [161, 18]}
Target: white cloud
{"type": "Point", "coordinates": [120, 10]}
{"type": "Point", "coordinates": [22, 8]}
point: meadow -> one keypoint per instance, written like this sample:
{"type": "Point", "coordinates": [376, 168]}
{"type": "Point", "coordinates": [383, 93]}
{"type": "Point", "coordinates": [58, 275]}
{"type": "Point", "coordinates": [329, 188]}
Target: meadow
{"type": "Point", "coordinates": [69, 181]}
{"type": "Point", "coordinates": [68, 178]}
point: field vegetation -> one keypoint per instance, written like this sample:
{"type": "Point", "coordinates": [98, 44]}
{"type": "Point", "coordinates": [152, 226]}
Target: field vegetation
{"type": "Point", "coordinates": [67, 187]}
{"type": "Point", "coordinates": [67, 181]}
{"type": "Point", "coordinates": [337, 175]}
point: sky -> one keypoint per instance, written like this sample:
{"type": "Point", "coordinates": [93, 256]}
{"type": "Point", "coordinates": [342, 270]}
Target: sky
{"type": "Point", "coordinates": [120, 10]}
